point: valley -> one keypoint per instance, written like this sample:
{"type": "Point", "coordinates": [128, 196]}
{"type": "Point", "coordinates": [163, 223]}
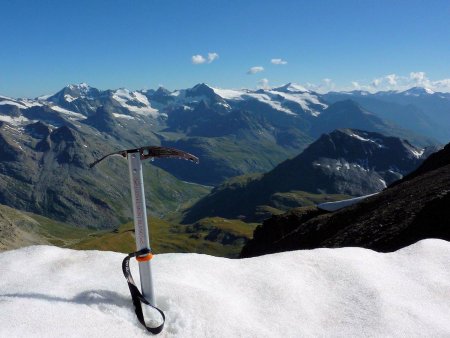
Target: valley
{"type": "Point", "coordinates": [262, 152]}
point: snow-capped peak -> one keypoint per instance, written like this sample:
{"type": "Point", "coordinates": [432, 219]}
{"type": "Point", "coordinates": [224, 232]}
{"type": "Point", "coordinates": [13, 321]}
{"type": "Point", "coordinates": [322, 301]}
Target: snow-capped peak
{"type": "Point", "coordinates": [291, 88]}
{"type": "Point", "coordinates": [83, 88]}
{"type": "Point", "coordinates": [416, 91]}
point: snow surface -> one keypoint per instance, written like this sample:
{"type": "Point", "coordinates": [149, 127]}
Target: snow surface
{"type": "Point", "coordinates": [69, 98]}
{"type": "Point", "coordinates": [303, 100]}
{"type": "Point", "coordinates": [293, 93]}
{"type": "Point", "coordinates": [417, 153]}
{"type": "Point", "coordinates": [124, 97]}
{"type": "Point", "coordinates": [333, 206]}
{"type": "Point", "coordinates": [21, 103]}
{"type": "Point", "coordinates": [13, 120]}
{"type": "Point", "coordinates": [52, 292]}
{"type": "Point", "coordinates": [13, 103]}
{"type": "Point", "coordinates": [230, 94]}
{"type": "Point", "coordinates": [123, 116]}
{"type": "Point", "coordinates": [68, 112]}
{"type": "Point", "coordinates": [294, 87]}
{"type": "Point", "coordinates": [359, 137]}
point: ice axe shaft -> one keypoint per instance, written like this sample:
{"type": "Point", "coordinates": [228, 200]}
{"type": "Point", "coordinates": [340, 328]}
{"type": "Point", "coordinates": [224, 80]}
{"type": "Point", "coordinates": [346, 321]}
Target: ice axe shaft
{"type": "Point", "coordinates": [140, 223]}
{"type": "Point", "coordinates": [135, 157]}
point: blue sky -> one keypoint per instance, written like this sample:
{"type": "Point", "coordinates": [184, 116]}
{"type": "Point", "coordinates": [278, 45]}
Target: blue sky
{"type": "Point", "coordinates": [146, 43]}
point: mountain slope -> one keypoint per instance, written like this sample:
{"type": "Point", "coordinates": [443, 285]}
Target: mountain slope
{"type": "Point", "coordinates": [349, 114]}
{"type": "Point", "coordinates": [19, 229]}
{"type": "Point", "coordinates": [414, 209]}
{"type": "Point", "coordinates": [45, 170]}
{"type": "Point", "coordinates": [350, 162]}
{"type": "Point", "coordinates": [417, 109]}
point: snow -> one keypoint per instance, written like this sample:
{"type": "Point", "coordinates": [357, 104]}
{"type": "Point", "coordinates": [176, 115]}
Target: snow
{"type": "Point", "coordinates": [360, 167]}
{"type": "Point", "coordinates": [333, 206]}
{"type": "Point", "coordinates": [83, 88]}
{"type": "Point", "coordinates": [123, 116]}
{"type": "Point", "coordinates": [291, 92]}
{"type": "Point", "coordinates": [53, 292]}
{"type": "Point", "coordinates": [302, 99]}
{"type": "Point", "coordinates": [21, 103]}
{"type": "Point", "coordinates": [267, 99]}
{"type": "Point", "coordinates": [417, 153]}
{"type": "Point", "coordinates": [417, 91]}
{"type": "Point", "coordinates": [124, 97]}
{"type": "Point", "coordinates": [293, 87]}
{"type": "Point", "coordinates": [367, 140]}
{"type": "Point", "coordinates": [69, 98]}
{"type": "Point", "coordinates": [141, 98]}
{"type": "Point", "coordinates": [30, 103]}
{"type": "Point", "coordinates": [13, 103]}
{"type": "Point", "coordinates": [230, 94]}
{"type": "Point", "coordinates": [13, 120]}
{"type": "Point", "coordinates": [68, 112]}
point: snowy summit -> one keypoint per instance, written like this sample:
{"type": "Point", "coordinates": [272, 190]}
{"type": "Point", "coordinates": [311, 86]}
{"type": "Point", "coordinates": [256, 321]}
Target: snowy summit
{"type": "Point", "coordinates": [323, 292]}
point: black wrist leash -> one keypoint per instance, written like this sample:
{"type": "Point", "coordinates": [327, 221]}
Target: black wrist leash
{"type": "Point", "coordinates": [137, 296]}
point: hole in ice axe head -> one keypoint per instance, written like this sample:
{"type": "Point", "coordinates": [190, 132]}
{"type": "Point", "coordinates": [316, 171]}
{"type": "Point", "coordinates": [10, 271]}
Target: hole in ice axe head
{"type": "Point", "coordinates": [151, 152]}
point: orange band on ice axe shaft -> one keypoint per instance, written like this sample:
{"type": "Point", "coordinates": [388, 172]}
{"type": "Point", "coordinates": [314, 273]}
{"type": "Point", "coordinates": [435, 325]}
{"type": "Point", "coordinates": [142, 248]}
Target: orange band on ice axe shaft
{"type": "Point", "coordinates": [144, 258]}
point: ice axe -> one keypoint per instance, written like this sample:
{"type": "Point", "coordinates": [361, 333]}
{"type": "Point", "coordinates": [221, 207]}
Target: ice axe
{"type": "Point", "coordinates": [143, 252]}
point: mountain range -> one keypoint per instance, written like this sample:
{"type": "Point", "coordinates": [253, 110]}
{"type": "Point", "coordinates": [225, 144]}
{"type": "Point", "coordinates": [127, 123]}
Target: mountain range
{"type": "Point", "coordinates": [47, 142]}
{"type": "Point", "coordinates": [418, 109]}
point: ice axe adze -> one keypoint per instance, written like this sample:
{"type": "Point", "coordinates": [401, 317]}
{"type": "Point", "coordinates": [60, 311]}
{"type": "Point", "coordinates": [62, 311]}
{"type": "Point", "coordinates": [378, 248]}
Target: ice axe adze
{"type": "Point", "coordinates": [143, 253]}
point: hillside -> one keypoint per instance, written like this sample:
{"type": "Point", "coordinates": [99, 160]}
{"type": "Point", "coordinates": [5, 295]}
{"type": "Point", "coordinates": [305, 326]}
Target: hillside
{"type": "Point", "coordinates": [414, 209]}
{"type": "Point", "coordinates": [213, 236]}
{"type": "Point", "coordinates": [341, 163]}
{"type": "Point", "coordinates": [19, 229]}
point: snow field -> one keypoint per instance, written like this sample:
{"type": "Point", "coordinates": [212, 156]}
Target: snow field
{"type": "Point", "coordinates": [53, 292]}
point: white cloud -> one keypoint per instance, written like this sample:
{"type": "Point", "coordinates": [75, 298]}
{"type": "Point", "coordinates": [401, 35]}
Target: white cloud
{"type": "Point", "coordinates": [442, 85]}
{"type": "Point", "coordinates": [278, 61]}
{"type": "Point", "coordinates": [420, 79]}
{"type": "Point", "coordinates": [263, 84]}
{"type": "Point", "coordinates": [417, 76]}
{"type": "Point", "coordinates": [396, 82]}
{"type": "Point", "coordinates": [254, 70]}
{"type": "Point", "coordinates": [377, 82]}
{"type": "Point", "coordinates": [212, 57]}
{"type": "Point", "coordinates": [326, 85]}
{"type": "Point", "coordinates": [391, 79]}
{"type": "Point", "coordinates": [402, 82]}
{"type": "Point", "coordinates": [199, 59]}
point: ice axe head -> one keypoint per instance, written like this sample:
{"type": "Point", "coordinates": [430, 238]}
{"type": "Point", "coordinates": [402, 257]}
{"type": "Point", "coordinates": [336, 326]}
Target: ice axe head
{"type": "Point", "coordinates": [151, 152]}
